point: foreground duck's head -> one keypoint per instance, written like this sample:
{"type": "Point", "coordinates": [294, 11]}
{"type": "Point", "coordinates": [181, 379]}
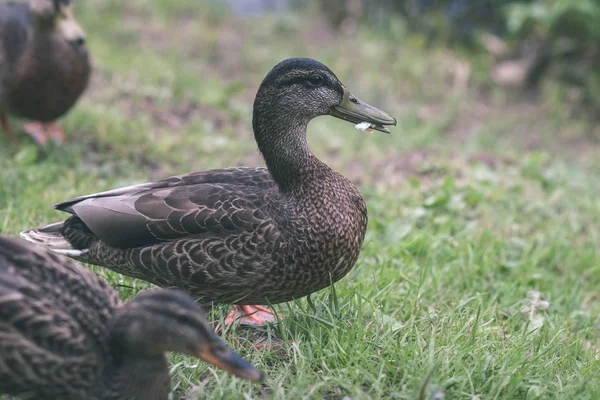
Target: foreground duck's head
{"type": "Point", "coordinates": [161, 321]}
{"type": "Point", "coordinates": [307, 89]}
{"type": "Point", "coordinates": [294, 92]}
{"type": "Point", "coordinates": [57, 16]}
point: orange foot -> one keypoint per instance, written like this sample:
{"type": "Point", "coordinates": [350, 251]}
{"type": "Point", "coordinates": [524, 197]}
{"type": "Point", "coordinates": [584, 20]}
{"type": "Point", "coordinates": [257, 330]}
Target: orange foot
{"type": "Point", "coordinates": [41, 132]}
{"type": "Point", "coordinates": [250, 315]}
{"type": "Point", "coordinates": [55, 132]}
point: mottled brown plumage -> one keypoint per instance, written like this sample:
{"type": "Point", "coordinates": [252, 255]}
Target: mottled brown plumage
{"type": "Point", "coordinates": [44, 63]}
{"type": "Point", "coordinates": [239, 235]}
{"type": "Point", "coordinates": [65, 334]}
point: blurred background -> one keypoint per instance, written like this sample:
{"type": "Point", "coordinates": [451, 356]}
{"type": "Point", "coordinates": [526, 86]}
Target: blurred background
{"type": "Point", "coordinates": [491, 176]}
{"type": "Point", "coordinates": [496, 76]}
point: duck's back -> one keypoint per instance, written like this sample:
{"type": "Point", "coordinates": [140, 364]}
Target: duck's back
{"type": "Point", "coordinates": [53, 323]}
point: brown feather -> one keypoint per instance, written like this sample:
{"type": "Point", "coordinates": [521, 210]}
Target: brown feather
{"type": "Point", "coordinates": [64, 332]}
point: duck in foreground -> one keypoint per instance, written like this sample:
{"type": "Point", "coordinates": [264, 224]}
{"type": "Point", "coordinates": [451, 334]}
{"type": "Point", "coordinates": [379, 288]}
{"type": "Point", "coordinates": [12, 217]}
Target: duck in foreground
{"type": "Point", "coordinates": [64, 333]}
{"type": "Point", "coordinates": [237, 235]}
{"type": "Point", "coordinates": [44, 65]}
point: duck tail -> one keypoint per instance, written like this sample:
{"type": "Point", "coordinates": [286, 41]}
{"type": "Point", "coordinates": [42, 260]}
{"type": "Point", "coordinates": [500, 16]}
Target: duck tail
{"type": "Point", "coordinates": [51, 236]}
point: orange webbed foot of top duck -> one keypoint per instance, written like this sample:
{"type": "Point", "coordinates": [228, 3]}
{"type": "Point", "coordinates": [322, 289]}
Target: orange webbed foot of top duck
{"type": "Point", "coordinates": [41, 132]}
{"type": "Point", "coordinates": [250, 315]}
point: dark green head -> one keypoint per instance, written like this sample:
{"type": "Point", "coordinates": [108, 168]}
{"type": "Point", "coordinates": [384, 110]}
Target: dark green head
{"type": "Point", "coordinates": [160, 321]}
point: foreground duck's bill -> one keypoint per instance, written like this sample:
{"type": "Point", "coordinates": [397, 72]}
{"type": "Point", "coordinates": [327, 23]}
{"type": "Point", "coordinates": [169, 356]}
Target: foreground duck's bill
{"type": "Point", "coordinates": [357, 111]}
{"type": "Point", "coordinates": [222, 357]}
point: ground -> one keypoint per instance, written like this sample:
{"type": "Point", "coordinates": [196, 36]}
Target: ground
{"type": "Point", "coordinates": [480, 271]}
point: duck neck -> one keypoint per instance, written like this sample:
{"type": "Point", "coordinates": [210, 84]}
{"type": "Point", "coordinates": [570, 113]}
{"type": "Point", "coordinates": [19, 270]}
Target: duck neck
{"type": "Point", "coordinates": [281, 137]}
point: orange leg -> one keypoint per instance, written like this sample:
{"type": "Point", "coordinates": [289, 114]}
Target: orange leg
{"type": "Point", "coordinates": [257, 338]}
{"type": "Point", "coordinates": [250, 315]}
{"type": "Point", "coordinates": [42, 131]}
{"type": "Point", "coordinates": [6, 128]}
{"type": "Point", "coordinates": [55, 132]}
{"type": "Point", "coordinates": [37, 131]}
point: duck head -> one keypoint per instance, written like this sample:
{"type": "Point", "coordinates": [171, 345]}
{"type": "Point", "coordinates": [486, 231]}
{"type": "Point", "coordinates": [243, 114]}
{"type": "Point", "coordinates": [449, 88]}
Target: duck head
{"type": "Point", "coordinates": [160, 321]}
{"type": "Point", "coordinates": [57, 16]}
{"type": "Point", "coordinates": [308, 89]}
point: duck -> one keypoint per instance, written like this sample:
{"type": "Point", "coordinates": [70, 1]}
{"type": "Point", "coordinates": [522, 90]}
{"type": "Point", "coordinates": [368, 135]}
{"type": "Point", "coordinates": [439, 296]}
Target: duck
{"type": "Point", "coordinates": [248, 236]}
{"type": "Point", "coordinates": [65, 334]}
{"type": "Point", "coordinates": [44, 66]}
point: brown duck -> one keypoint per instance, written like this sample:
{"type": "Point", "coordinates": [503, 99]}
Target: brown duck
{"type": "Point", "coordinates": [44, 65]}
{"type": "Point", "coordinates": [237, 235]}
{"type": "Point", "coordinates": [64, 333]}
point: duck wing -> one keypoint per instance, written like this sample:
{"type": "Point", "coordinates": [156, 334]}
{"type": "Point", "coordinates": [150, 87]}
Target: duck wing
{"type": "Point", "coordinates": [53, 322]}
{"type": "Point", "coordinates": [217, 202]}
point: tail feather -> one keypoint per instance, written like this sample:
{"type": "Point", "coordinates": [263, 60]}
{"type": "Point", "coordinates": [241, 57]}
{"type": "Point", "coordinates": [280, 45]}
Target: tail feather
{"type": "Point", "coordinates": [51, 237]}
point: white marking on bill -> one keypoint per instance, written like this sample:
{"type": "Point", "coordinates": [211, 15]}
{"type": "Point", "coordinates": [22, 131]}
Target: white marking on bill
{"type": "Point", "coordinates": [365, 127]}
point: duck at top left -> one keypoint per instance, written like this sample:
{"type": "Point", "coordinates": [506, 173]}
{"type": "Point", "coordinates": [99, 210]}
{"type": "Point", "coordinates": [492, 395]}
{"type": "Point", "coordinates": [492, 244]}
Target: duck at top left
{"type": "Point", "coordinates": [44, 66]}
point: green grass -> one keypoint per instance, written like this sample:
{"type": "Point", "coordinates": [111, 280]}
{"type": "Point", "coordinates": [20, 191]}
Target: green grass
{"type": "Point", "coordinates": [479, 197]}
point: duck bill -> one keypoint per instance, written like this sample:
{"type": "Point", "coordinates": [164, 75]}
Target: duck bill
{"type": "Point", "coordinates": [357, 111]}
{"type": "Point", "coordinates": [228, 360]}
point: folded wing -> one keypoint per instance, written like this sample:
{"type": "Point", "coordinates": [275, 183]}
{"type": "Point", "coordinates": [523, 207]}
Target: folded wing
{"type": "Point", "coordinates": [226, 201]}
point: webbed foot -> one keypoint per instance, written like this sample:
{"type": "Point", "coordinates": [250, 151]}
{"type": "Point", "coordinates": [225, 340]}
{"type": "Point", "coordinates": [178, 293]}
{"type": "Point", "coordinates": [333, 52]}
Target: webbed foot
{"type": "Point", "coordinates": [250, 315]}
{"type": "Point", "coordinates": [41, 132]}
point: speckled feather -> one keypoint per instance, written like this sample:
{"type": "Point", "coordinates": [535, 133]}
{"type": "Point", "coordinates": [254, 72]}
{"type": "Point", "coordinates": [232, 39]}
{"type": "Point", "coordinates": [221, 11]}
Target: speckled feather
{"type": "Point", "coordinates": [53, 322]}
{"type": "Point", "coordinates": [64, 332]}
{"type": "Point", "coordinates": [242, 235]}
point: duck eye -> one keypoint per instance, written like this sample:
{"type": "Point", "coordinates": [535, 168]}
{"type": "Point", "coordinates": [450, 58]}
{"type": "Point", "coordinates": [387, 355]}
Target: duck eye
{"type": "Point", "coordinates": [316, 80]}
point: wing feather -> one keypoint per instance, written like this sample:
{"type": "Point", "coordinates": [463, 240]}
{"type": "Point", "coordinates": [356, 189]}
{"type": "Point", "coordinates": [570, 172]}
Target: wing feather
{"type": "Point", "coordinates": [210, 202]}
